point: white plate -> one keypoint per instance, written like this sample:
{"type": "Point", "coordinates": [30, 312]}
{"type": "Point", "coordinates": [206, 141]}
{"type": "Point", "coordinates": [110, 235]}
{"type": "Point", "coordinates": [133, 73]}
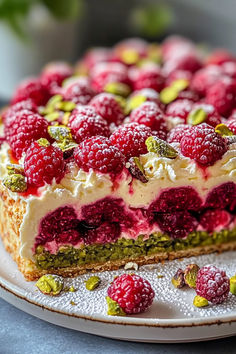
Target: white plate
{"type": "Point", "coordinates": [171, 318]}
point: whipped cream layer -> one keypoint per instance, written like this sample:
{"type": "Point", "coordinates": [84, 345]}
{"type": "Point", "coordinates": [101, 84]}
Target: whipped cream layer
{"type": "Point", "coordinates": [79, 188]}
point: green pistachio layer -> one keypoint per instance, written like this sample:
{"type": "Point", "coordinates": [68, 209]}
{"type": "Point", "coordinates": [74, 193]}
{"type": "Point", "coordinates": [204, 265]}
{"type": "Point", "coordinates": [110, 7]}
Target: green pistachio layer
{"type": "Point", "coordinates": [68, 256]}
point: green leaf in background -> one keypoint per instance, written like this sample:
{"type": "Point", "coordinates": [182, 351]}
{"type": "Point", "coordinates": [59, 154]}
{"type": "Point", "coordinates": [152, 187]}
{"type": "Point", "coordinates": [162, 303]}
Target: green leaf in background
{"type": "Point", "coordinates": [64, 9]}
{"type": "Point", "coordinates": [151, 20]}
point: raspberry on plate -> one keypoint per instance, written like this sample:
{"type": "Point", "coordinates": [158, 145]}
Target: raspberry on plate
{"type": "Point", "coordinates": [212, 284]}
{"type": "Point", "coordinates": [84, 126]}
{"type": "Point", "coordinates": [78, 90]}
{"type": "Point", "coordinates": [150, 115]}
{"type": "Point", "coordinates": [130, 139]}
{"type": "Point", "coordinates": [213, 219]}
{"type": "Point", "coordinates": [175, 135]}
{"type": "Point", "coordinates": [108, 107]}
{"type": "Point", "coordinates": [202, 144]}
{"type": "Point", "coordinates": [31, 88]}
{"type": "Point", "coordinates": [133, 293]}
{"type": "Point", "coordinates": [25, 128]}
{"type": "Point", "coordinates": [43, 163]}
{"type": "Point", "coordinates": [99, 154]}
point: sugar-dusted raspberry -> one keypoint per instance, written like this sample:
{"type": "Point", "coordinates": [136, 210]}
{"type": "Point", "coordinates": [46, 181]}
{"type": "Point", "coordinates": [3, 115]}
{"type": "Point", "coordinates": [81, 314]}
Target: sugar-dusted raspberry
{"type": "Point", "coordinates": [108, 107]}
{"type": "Point", "coordinates": [54, 74]}
{"type": "Point", "coordinates": [99, 154]}
{"type": "Point", "coordinates": [104, 73]}
{"type": "Point", "coordinates": [188, 62]}
{"type": "Point", "coordinates": [130, 50]}
{"type": "Point", "coordinates": [212, 284]}
{"type": "Point", "coordinates": [232, 125]}
{"type": "Point", "coordinates": [150, 115]}
{"type": "Point", "coordinates": [204, 78]}
{"type": "Point", "coordinates": [133, 293]}
{"type": "Point", "coordinates": [10, 112]}
{"type": "Point", "coordinates": [149, 76]}
{"type": "Point", "coordinates": [219, 57]}
{"type": "Point", "coordinates": [222, 95]}
{"type": "Point", "coordinates": [202, 144]}
{"type": "Point", "coordinates": [177, 224]}
{"type": "Point", "coordinates": [95, 56]}
{"type": "Point", "coordinates": [214, 219]}
{"type": "Point", "coordinates": [179, 108]}
{"type": "Point", "coordinates": [31, 88]}
{"type": "Point", "coordinates": [130, 139]}
{"type": "Point", "coordinates": [25, 128]}
{"type": "Point", "coordinates": [178, 75]}
{"type": "Point", "coordinates": [105, 233]}
{"type": "Point", "coordinates": [78, 91]}
{"type": "Point", "coordinates": [175, 45]}
{"type": "Point", "coordinates": [175, 135]}
{"type": "Point", "coordinates": [212, 116]}
{"type": "Point", "coordinates": [43, 163]}
{"type": "Point", "coordinates": [229, 69]}
{"type": "Point", "coordinates": [61, 220]}
{"type": "Point", "coordinates": [149, 94]}
{"type": "Point", "coordinates": [180, 198]}
{"type": "Point", "coordinates": [222, 196]}
{"type": "Point", "coordinates": [84, 126]}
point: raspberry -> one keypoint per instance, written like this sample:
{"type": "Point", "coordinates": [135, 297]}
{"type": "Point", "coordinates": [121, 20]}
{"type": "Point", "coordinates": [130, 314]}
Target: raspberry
{"type": "Point", "coordinates": [177, 75]}
{"type": "Point", "coordinates": [220, 56]}
{"type": "Point", "coordinates": [204, 78]}
{"type": "Point", "coordinates": [10, 112]}
{"type": "Point", "coordinates": [59, 221]}
{"type": "Point", "coordinates": [99, 154]}
{"type": "Point", "coordinates": [25, 128]}
{"type": "Point", "coordinates": [105, 233]}
{"type": "Point", "coordinates": [31, 88]}
{"type": "Point", "coordinates": [54, 74]}
{"type": "Point", "coordinates": [173, 199]}
{"type": "Point", "coordinates": [84, 126]}
{"type": "Point", "coordinates": [108, 107]}
{"type": "Point", "coordinates": [232, 125]}
{"type": "Point", "coordinates": [130, 139]}
{"type": "Point", "coordinates": [202, 144]}
{"type": "Point", "coordinates": [213, 117]}
{"type": "Point", "coordinates": [229, 69]}
{"type": "Point", "coordinates": [43, 163]}
{"type": "Point", "coordinates": [137, 47]}
{"type": "Point", "coordinates": [222, 95]}
{"type": "Point", "coordinates": [96, 55]}
{"type": "Point", "coordinates": [188, 62]}
{"type": "Point", "coordinates": [150, 115]}
{"type": "Point", "coordinates": [176, 134]}
{"type": "Point", "coordinates": [70, 236]}
{"type": "Point", "coordinates": [133, 293]}
{"type": "Point", "coordinates": [105, 73]}
{"type": "Point", "coordinates": [214, 219]}
{"type": "Point", "coordinates": [173, 46]}
{"type": "Point", "coordinates": [78, 91]}
{"type": "Point", "coordinates": [222, 196]}
{"type": "Point", "coordinates": [179, 108]}
{"type": "Point", "coordinates": [149, 76]}
{"type": "Point", "coordinates": [177, 224]}
{"type": "Point", "coordinates": [212, 284]}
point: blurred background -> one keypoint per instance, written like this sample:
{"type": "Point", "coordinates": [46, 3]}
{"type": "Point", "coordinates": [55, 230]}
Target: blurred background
{"type": "Point", "coordinates": [34, 32]}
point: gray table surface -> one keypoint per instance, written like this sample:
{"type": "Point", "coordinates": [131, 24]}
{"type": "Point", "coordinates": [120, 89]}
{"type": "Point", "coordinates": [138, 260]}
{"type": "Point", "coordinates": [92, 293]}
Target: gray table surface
{"type": "Point", "coordinates": [21, 333]}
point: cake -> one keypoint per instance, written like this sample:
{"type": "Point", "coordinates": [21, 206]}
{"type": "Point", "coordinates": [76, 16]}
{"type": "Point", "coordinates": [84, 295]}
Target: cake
{"type": "Point", "coordinates": [130, 156]}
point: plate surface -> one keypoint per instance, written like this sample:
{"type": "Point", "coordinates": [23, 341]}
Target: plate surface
{"type": "Point", "coordinates": [171, 318]}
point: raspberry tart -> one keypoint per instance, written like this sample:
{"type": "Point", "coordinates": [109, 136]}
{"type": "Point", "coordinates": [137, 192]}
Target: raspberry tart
{"type": "Point", "coordinates": [128, 156]}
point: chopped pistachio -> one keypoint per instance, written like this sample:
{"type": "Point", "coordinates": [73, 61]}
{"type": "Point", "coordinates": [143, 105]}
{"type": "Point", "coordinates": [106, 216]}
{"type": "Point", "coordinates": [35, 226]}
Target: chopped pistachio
{"type": "Point", "coordinates": [168, 95]}
{"type": "Point", "coordinates": [178, 279]}
{"type": "Point", "coordinates": [136, 169]}
{"type": "Point", "coordinates": [66, 106]}
{"type": "Point", "coordinates": [66, 145]}
{"type": "Point", "coordinates": [199, 301]}
{"type": "Point", "coordinates": [121, 100]}
{"type": "Point", "coordinates": [223, 130]}
{"type": "Point", "coordinates": [15, 182]}
{"type": "Point", "coordinates": [65, 118]}
{"type": "Point", "coordinates": [190, 275]}
{"type": "Point", "coordinates": [197, 116]}
{"type": "Point", "coordinates": [114, 308]}
{"type": "Point", "coordinates": [160, 276]}
{"type": "Point", "coordinates": [92, 283]}
{"type": "Point", "coordinates": [117, 88]}
{"type": "Point", "coordinates": [131, 265]}
{"type": "Point", "coordinates": [180, 84]}
{"type": "Point", "coordinates": [154, 52]}
{"type": "Point", "coordinates": [233, 285]}
{"type": "Point", "coordinates": [15, 169]}
{"type": "Point", "coordinates": [70, 289]}
{"type": "Point", "coordinates": [72, 303]}
{"type": "Point", "coordinates": [134, 102]}
{"type": "Point", "coordinates": [43, 142]}
{"type": "Point", "coordinates": [129, 56]}
{"type": "Point", "coordinates": [59, 132]}
{"type": "Point", "coordinates": [51, 117]}
{"type": "Point", "coordinates": [50, 284]}
{"type": "Point", "coordinates": [161, 147]}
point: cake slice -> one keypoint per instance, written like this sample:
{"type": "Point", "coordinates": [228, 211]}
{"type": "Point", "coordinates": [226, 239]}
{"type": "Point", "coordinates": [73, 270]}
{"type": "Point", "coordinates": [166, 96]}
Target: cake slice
{"type": "Point", "coordinates": [103, 170]}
